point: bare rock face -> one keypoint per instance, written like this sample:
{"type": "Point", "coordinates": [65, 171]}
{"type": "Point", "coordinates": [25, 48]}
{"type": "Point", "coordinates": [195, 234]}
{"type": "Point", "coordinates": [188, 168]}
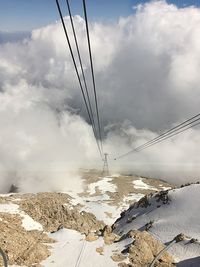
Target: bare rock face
{"type": "Point", "coordinates": [108, 236]}
{"type": "Point", "coordinates": [91, 237]}
{"type": "Point", "coordinates": [140, 252]}
{"type": "Point", "coordinates": [100, 250]}
{"type": "Point", "coordinates": [124, 264]}
{"type": "Point", "coordinates": [144, 249]}
{"type": "Point", "coordinates": [22, 247]}
{"type": "Point", "coordinates": [144, 202]}
{"type": "Point", "coordinates": [54, 211]}
{"type": "Point", "coordinates": [107, 230]}
{"type": "Point", "coordinates": [118, 257]}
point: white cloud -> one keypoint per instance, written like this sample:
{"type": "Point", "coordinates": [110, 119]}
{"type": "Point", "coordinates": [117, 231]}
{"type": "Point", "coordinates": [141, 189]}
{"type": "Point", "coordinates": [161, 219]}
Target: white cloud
{"type": "Point", "coordinates": [146, 68]}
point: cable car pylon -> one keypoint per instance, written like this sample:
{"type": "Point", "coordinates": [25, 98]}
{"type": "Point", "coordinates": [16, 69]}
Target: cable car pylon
{"type": "Point", "coordinates": [105, 171]}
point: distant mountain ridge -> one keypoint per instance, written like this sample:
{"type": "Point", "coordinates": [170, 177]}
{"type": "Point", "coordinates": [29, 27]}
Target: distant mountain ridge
{"type": "Point", "coordinates": [13, 36]}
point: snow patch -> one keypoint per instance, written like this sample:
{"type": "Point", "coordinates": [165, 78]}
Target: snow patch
{"type": "Point", "coordinates": [139, 184]}
{"type": "Point", "coordinates": [103, 185]}
{"type": "Point", "coordinates": [9, 208]}
{"type": "Point", "coordinates": [27, 222]}
{"type": "Point", "coordinates": [133, 197]}
{"type": "Point", "coordinates": [71, 249]}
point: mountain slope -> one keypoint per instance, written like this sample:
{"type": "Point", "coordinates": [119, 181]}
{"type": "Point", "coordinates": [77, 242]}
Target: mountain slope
{"type": "Point", "coordinates": [165, 215]}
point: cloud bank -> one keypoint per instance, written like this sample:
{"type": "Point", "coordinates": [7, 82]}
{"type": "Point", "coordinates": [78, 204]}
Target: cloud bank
{"type": "Point", "coordinates": [147, 75]}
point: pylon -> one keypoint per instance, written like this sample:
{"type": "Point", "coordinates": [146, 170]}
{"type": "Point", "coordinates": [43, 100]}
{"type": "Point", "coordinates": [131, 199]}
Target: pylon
{"type": "Point", "coordinates": [105, 171]}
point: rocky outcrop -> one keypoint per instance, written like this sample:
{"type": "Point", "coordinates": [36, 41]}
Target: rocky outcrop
{"type": "Point", "coordinates": [144, 249]}
{"type": "Point", "coordinates": [53, 211]}
{"type": "Point", "coordinates": [22, 247]}
{"type": "Point", "coordinates": [108, 236]}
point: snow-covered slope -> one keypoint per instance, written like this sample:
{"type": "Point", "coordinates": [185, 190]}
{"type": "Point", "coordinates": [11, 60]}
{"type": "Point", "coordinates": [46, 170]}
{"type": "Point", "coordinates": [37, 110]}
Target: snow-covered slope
{"type": "Point", "coordinates": [165, 215]}
{"type": "Point", "coordinates": [71, 249]}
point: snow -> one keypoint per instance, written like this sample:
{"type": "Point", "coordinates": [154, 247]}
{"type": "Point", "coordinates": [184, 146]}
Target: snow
{"type": "Point", "coordinates": [165, 188]}
{"type": "Point", "coordinates": [99, 208]}
{"type": "Point", "coordinates": [139, 184]}
{"type": "Point", "coordinates": [103, 185]}
{"type": "Point", "coordinates": [27, 222]}
{"type": "Point", "coordinates": [7, 194]}
{"type": "Point", "coordinates": [115, 175]}
{"type": "Point", "coordinates": [71, 249]}
{"type": "Point", "coordinates": [180, 215]}
{"type": "Point", "coordinates": [9, 208]}
{"type": "Point", "coordinates": [133, 197]}
{"type": "Point", "coordinates": [99, 204]}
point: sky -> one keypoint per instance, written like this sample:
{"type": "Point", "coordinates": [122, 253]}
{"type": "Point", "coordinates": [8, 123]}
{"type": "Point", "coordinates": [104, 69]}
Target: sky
{"type": "Point", "coordinates": [23, 15]}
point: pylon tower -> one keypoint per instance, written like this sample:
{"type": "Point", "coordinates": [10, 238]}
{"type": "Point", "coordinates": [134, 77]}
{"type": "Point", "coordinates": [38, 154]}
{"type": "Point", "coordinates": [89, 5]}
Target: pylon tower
{"type": "Point", "coordinates": [105, 171]}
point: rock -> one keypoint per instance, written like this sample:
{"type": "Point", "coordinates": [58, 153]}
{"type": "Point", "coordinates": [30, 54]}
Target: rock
{"type": "Point", "coordinates": [118, 257]}
{"type": "Point", "coordinates": [54, 209]}
{"type": "Point", "coordinates": [108, 236]}
{"type": "Point", "coordinates": [123, 264]}
{"type": "Point", "coordinates": [144, 249]}
{"type": "Point", "coordinates": [143, 202]}
{"type": "Point", "coordinates": [100, 250]}
{"type": "Point", "coordinates": [107, 230]}
{"type": "Point", "coordinates": [109, 239]}
{"type": "Point", "coordinates": [23, 248]}
{"type": "Point", "coordinates": [91, 237]}
{"type": "Point", "coordinates": [163, 197]}
{"type": "Point", "coordinates": [54, 212]}
{"type": "Point", "coordinates": [140, 252]}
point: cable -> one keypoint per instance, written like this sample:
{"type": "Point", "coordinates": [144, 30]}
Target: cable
{"type": "Point", "coordinates": [169, 136]}
{"type": "Point", "coordinates": [162, 139]}
{"type": "Point", "coordinates": [171, 130]}
{"type": "Point", "coordinates": [177, 239]}
{"type": "Point", "coordinates": [161, 252]}
{"type": "Point", "coordinates": [4, 256]}
{"type": "Point", "coordinates": [92, 71]}
{"type": "Point", "coordinates": [165, 135]}
{"type": "Point", "coordinates": [76, 69]}
{"type": "Point", "coordinates": [80, 61]}
{"type": "Point", "coordinates": [81, 253]}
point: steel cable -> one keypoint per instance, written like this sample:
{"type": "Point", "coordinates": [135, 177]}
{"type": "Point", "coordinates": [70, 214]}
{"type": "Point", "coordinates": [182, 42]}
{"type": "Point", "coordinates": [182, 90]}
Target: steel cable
{"type": "Point", "coordinates": [179, 238]}
{"type": "Point", "coordinates": [80, 61]}
{"type": "Point", "coordinates": [4, 256]}
{"type": "Point", "coordinates": [92, 71]}
{"type": "Point", "coordinates": [169, 136]}
{"type": "Point", "coordinates": [76, 69]}
{"type": "Point", "coordinates": [166, 135]}
{"type": "Point", "coordinates": [178, 127]}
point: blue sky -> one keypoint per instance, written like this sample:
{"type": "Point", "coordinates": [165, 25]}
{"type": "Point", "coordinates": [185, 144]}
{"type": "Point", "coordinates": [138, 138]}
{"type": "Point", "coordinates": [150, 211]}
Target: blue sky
{"type": "Point", "coordinates": [25, 15]}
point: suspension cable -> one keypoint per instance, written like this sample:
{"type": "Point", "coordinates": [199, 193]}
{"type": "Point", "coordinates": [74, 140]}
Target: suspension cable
{"type": "Point", "coordinates": [92, 71]}
{"type": "Point", "coordinates": [174, 129]}
{"type": "Point", "coordinates": [76, 69]}
{"type": "Point", "coordinates": [179, 238]}
{"type": "Point", "coordinates": [80, 61]}
{"type": "Point", "coordinates": [5, 258]}
{"type": "Point", "coordinates": [167, 137]}
{"type": "Point", "coordinates": [180, 128]}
